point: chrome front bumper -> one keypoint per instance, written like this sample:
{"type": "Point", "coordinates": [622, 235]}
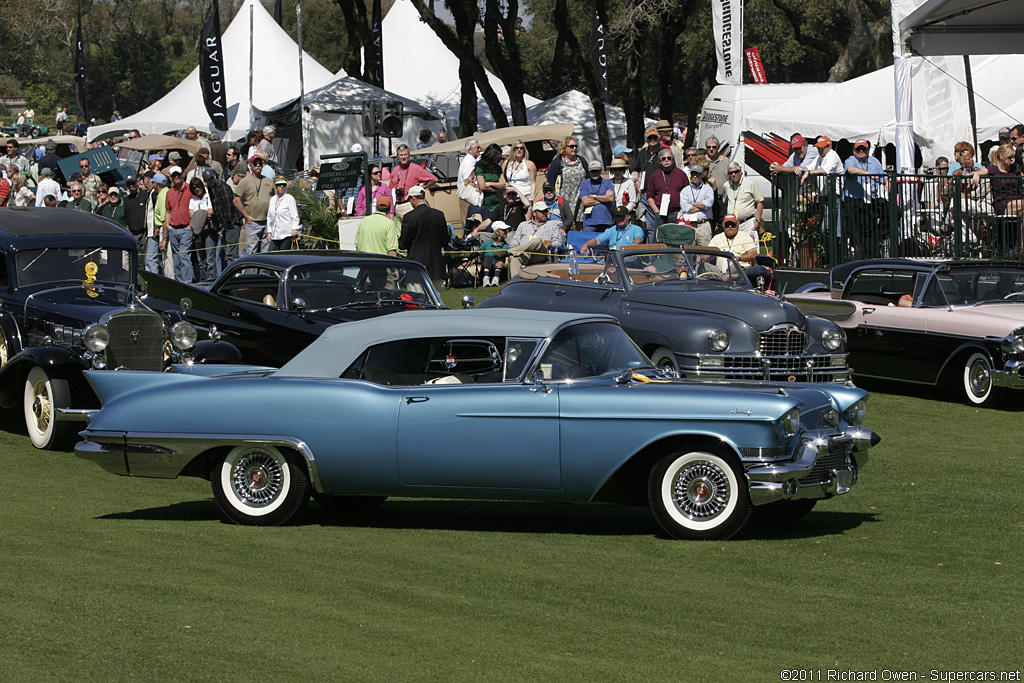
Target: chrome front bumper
{"type": "Point", "coordinates": [824, 467]}
{"type": "Point", "coordinates": [1010, 377]}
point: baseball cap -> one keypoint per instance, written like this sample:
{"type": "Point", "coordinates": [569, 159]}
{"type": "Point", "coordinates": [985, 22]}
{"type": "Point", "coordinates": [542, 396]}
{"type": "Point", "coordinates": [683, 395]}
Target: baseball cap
{"type": "Point", "coordinates": [114, 190]}
{"type": "Point", "coordinates": [596, 165]}
{"type": "Point", "coordinates": [730, 218]}
{"type": "Point", "coordinates": [239, 169]}
{"type": "Point", "coordinates": [823, 140]}
{"type": "Point", "coordinates": [650, 131]}
{"type": "Point", "coordinates": [539, 206]}
{"type": "Point", "coordinates": [281, 180]}
{"type": "Point", "coordinates": [548, 186]}
{"type": "Point", "coordinates": [500, 225]}
{"type": "Point", "coordinates": [619, 212]}
{"type": "Point", "coordinates": [416, 191]}
{"type": "Point", "coordinates": [797, 141]}
{"type": "Point", "coordinates": [172, 170]}
{"type": "Point", "coordinates": [1004, 133]}
{"type": "Point", "coordinates": [131, 179]}
{"type": "Point", "coordinates": [255, 157]}
{"type": "Point", "coordinates": [174, 155]}
{"type": "Point", "coordinates": [697, 169]}
{"type": "Point", "coordinates": [619, 149]}
{"type": "Point", "coordinates": [160, 179]}
{"type": "Point", "coordinates": [861, 143]}
{"type": "Point", "coordinates": [209, 175]}
{"type": "Point", "coordinates": [383, 202]}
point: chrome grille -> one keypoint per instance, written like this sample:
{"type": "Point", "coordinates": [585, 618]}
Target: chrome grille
{"type": "Point", "coordinates": [782, 340]}
{"type": "Point", "coordinates": [136, 341]}
{"type": "Point", "coordinates": [825, 463]}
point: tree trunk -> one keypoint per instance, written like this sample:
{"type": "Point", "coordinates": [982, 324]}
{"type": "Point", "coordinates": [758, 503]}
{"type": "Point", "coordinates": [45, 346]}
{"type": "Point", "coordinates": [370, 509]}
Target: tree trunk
{"type": "Point", "coordinates": [462, 47]}
{"type": "Point", "coordinates": [502, 50]}
{"type": "Point", "coordinates": [357, 27]}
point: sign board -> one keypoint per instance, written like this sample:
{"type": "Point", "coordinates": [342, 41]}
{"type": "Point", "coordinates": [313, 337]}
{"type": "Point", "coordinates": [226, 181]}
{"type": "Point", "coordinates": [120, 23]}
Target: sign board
{"type": "Point", "coordinates": [101, 160]}
{"type": "Point", "coordinates": [340, 172]}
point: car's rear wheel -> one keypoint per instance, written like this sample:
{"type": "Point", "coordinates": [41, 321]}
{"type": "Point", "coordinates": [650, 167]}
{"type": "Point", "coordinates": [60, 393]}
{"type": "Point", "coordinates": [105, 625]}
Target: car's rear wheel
{"type": "Point", "coordinates": [44, 395]}
{"type": "Point", "coordinates": [258, 484]}
{"type": "Point", "coordinates": [4, 350]}
{"type": "Point", "coordinates": [664, 358]}
{"type": "Point", "coordinates": [978, 386]}
{"type": "Point", "coordinates": [348, 504]}
{"type": "Point", "coordinates": [699, 495]}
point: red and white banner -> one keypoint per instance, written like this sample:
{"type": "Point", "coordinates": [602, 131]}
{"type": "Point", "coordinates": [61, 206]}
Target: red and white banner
{"type": "Point", "coordinates": [754, 62]}
{"type": "Point", "coordinates": [727, 24]}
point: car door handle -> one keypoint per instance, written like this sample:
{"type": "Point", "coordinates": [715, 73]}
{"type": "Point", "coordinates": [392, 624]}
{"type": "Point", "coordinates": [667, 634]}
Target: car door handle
{"type": "Point", "coordinates": [559, 292]}
{"type": "Point", "coordinates": [416, 399]}
{"type": "Point", "coordinates": [869, 310]}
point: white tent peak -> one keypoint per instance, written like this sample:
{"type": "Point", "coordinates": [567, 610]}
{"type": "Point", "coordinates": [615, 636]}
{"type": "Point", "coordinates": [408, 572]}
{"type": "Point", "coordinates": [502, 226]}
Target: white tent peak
{"type": "Point", "coordinates": [275, 81]}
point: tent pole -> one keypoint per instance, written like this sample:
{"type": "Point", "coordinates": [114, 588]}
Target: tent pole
{"type": "Point", "coordinates": [302, 87]}
{"type": "Point", "coordinates": [970, 104]}
{"type": "Point", "coordinates": [252, 113]}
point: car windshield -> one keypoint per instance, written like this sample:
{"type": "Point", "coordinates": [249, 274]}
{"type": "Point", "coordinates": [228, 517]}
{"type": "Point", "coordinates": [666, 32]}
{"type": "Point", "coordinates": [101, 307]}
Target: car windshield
{"type": "Point", "coordinates": [590, 350]}
{"type": "Point", "coordinates": [100, 265]}
{"type": "Point", "coordinates": [974, 286]}
{"type": "Point", "coordinates": [336, 286]}
{"type": "Point", "coordinates": [656, 267]}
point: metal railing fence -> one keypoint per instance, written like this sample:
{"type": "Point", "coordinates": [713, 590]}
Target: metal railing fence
{"type": "Point", "coordinates": [831, 219]}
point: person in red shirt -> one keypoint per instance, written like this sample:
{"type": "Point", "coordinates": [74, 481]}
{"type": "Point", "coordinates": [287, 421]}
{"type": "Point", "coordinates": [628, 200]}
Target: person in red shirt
{"type": "Point", "coordinates": [663, 188]}
{"type": "Point", "coordinates": [179, 230]}
{"type": "Point", "coordinates": [404, 176]}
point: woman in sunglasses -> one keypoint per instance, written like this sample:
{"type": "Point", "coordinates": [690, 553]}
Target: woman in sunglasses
{"type": "Point", "coordinates": [378, 189]}
{"type": "Point", "coordinates": [520, 172]}
{"type": "Point", "coordinates": [566, 172]}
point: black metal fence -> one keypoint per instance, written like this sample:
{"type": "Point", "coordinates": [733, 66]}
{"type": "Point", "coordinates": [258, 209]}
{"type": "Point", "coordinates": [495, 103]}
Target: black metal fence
{"type": "Point", "coordinates": [831, 219]}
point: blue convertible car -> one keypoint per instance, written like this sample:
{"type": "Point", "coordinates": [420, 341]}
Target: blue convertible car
{"type": "Point", "coordinates": [489, 404]}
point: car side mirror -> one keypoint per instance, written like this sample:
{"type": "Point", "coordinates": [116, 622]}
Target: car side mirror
{"type": "Point", "coordinates": [538, 382]}
{"type": "Point", "coordinates": [468, 301]}
{"type": "Point", "coordinates": [299, 304]}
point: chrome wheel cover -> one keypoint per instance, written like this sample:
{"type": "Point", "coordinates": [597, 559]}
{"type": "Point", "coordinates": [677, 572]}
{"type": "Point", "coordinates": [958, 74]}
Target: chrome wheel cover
{"type": "Point", "coordinates": [979, 378]}
{"type": "Point", "coordinates": [700, 490]}
{"type": "Point", "coordinates": [257, 478]}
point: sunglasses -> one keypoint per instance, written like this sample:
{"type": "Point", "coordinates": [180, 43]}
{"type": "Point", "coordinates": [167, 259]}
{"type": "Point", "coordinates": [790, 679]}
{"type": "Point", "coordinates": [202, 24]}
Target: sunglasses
{"type": "Point", "coordinates": [374, 172]}
{"type": "Point", "coordinates": [83, 166]}
{"type": "Point", "coordinates": [732, 225]}
{"type": "Point", "coordinates": [520, 149]}
{"type": "Point", "coordinates": [734, 172]}
{"type": "Point", "coordinates": [691, 154]}
{"type": "Point", "coordinates": [257, 163]}
{"type": "Point", "coordinates": [76, 192]}
{"type": "Point", "coordinates": [666, 158]}
{"type": "Point", "coordinates": [860, 149]}
{"type": "Point", "coordinates": [711, 147]}
{"type": "Point", "coordinates": [571, 146]}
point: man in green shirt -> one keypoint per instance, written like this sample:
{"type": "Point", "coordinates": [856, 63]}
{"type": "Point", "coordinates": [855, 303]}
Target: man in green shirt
{"type": "Point", "coordinates": [378, 234]}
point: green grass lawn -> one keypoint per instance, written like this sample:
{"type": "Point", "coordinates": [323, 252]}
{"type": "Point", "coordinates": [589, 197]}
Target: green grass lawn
{"type": "Point", "coordinates": [107, 578]}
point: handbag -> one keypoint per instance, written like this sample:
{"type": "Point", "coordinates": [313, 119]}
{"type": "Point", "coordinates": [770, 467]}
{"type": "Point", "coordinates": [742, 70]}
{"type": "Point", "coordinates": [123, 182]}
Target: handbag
{"type": "Point", "coordinates": [470, 193]}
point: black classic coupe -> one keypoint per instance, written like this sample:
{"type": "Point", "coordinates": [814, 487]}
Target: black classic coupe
{"type": "Point", "coordinates": [690, 310]}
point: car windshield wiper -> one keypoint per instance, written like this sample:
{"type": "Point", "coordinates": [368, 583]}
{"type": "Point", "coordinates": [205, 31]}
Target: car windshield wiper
{"type": "Point", "coordinates": [380, 303]}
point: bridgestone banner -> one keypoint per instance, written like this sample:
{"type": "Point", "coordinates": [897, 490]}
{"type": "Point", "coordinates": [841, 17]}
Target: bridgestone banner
{"type": "Point", "coordinates": [727, 23]}
{"type": "Point", "coordinates": [211, 69]}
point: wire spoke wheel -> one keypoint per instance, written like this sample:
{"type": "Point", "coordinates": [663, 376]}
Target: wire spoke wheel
{"type": "Point", "coordinates": [44, 395]}
{"type": "Point", "coordinates": [699, 495]}
{"type": "Point", "coordinates": [259, 484]}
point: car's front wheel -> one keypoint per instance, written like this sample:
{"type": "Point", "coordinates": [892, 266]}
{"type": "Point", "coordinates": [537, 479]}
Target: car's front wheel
{"type": "Point", "coordinates": [257, 484]}
{"type": "Point", "coordinates": [978, 386]}
{"type": "Point", "coordinates": [44, 395]}
{"type": "Point", "coordinates": [699, 495]}
{"type": "Point", "coordinates": [664, 358]}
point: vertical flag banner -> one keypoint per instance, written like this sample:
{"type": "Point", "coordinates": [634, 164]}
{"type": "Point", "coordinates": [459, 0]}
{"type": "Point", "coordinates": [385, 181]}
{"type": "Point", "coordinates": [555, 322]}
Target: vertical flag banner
{"type": "Point", "coordinates": [375, 50]}
{"type": "Point", "coordinates": [277, 12]}
{"type": "Point", "coordinates": [756, 67]}
{"type": "Point", "coordinates": [83, 113]}
{"type": "Point", "coordinates": [599, 49]}
{"type": "Point", "coordinates": [211, 69]}
{"type": "Point", "coordinates": [727, 24]}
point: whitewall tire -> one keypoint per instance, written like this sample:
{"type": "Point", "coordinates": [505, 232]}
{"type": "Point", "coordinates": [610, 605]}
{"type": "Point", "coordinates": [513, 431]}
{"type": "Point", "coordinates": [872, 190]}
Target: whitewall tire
{"type": "Point", "coordinates": [699, 495]}
{"type": "Point", "coordinates": [257, 484]}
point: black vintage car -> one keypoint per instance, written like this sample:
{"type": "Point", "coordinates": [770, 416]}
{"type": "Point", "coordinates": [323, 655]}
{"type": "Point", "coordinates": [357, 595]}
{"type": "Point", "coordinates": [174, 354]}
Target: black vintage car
{"type": "Point", "coordinates": [273, 305]}
{"type": "Point", "coordinates": [68, 302]}
{"type": "Point", "coordinates": [691, 310]}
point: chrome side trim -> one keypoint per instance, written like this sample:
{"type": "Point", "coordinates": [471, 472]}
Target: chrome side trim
{"type": "Point", "coordinates": [164, 456]}
{"type": "Point", "coordinates": [74, 414]}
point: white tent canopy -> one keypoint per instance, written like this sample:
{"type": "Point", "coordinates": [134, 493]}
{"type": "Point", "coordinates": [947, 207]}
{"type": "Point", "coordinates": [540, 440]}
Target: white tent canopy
{"type": "Point", "coordinates": [864, 107]}
{"type": "Point", "coordinates": [417, 65]}
{"type": "Point", "coordinates": [574, 107]}
{"type": "Point", "coordinates": [963, 27]}
{"type": "Point", "coordinates": [275, 82]}
{"type": "Point", "coordinates": [334, 119]}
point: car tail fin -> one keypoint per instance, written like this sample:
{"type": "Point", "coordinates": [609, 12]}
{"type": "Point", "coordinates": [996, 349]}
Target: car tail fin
{"type": "Point", "coordinates": [109, 385]}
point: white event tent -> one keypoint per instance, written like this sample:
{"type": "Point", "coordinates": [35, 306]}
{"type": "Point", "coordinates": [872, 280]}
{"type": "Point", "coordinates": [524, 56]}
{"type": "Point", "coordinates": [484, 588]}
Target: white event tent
{"type": "Point", "coordinates": [417, 65]}
{"type": "Point", "coordinates": [334, 121]}
{"type": "Point", "coordinates": [275, 60]}
{"type": "Point", "coordinates": [574, 107]}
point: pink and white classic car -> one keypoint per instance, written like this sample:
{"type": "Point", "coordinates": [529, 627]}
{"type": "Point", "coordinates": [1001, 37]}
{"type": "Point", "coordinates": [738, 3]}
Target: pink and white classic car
{"type": "Point", "coordinates": [959, 323]}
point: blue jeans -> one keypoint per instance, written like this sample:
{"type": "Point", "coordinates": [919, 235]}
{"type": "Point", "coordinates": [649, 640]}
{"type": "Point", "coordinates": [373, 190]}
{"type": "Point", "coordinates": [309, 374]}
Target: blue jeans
{"type": "Point", "coordinates": [229, 245]}
{"type": "Point", "coordinates": [154, 257]}
{"type": "Point", "coordinates": [180, 240]}
{"type": "Point", "coordinates": [209, 267]}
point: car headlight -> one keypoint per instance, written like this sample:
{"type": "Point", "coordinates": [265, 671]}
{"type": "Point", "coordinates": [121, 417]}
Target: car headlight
{"type": "Point", "coordinates": [718, 340]}
{"type": "Point", "coordinates": [96, 337]}
{"type": "Point", "coordinates": [791, 421]}
{"type": "Point", "coordinates": [1017, 344]}
{"type": "Point", "coordinates": [183, 335]}
{"type": "Point", "coordinates": [831, 339]}
{"type": "Point", "coordinates": [856, 413]}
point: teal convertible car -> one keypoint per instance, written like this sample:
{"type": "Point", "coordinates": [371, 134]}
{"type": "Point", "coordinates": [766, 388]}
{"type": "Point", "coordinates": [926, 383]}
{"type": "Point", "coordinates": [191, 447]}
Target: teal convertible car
{"type": "Point", "coordinates": [487, 404]}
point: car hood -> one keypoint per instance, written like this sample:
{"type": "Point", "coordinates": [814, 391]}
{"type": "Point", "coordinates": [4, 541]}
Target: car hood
{"type": "Point", "coordinates": [757, 310]}
{"type": "Point", "coordinates": [75, 303]}
{"type": "Point", "coordinates": [988, 319]}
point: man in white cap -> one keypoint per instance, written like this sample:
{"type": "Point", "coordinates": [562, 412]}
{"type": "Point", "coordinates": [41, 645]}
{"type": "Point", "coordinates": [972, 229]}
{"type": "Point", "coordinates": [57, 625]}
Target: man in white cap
{"type": "Point", "coordinates": [598, 197]}
{"type": "Point", "coordinates": [533, 240]}
{"type": "Point", "coordinates": [425, 235]}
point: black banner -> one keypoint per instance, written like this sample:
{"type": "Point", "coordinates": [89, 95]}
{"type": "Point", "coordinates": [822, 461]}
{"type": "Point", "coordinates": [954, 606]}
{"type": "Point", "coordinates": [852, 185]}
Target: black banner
{"type": "Point", "coordinates": [83, 114]}
{"type": "Point", "coordinates": [375, 50]}
{"type": "Point", "coordinates": [211, 69]}
{"type": "Point", "coordinates": [277, 12]}
{"type": "Point", "coordinates": [599, 48]}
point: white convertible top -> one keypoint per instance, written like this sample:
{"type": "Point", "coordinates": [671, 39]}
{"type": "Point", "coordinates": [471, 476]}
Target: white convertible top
{"type": "Point", "coordinates": [340, 345]}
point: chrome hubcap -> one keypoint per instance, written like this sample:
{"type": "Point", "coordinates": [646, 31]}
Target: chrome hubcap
{"type": "Point", "coordinates": [980, 379]}
{"type": "Point", "coordinates": [41, 406]}
{"type": "Point", "coordinates": [257, 479]}
{"type": "Point", "coordinates": [701, 490]}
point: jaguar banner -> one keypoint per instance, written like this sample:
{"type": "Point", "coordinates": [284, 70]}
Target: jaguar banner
{"type": "Point", "coordinates": [211, 69]}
